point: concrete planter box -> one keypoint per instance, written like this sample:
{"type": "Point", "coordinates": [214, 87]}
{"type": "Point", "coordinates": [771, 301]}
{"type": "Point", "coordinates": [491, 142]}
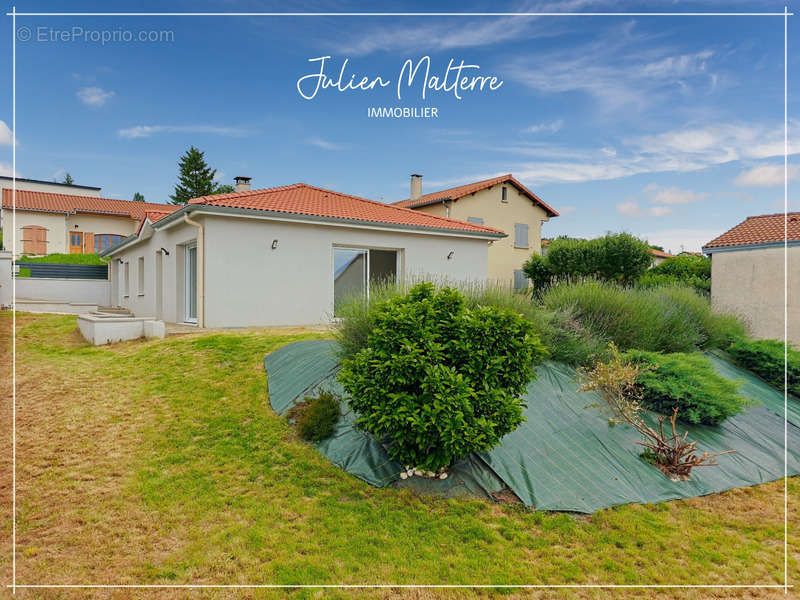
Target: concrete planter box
{"type": "Point", "coordinates": [101, 329]}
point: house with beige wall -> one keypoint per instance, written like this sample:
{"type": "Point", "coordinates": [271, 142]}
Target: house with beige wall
{"type": "Point", "coordinates": [284, 256]}
{"type": "Point", "coordinates": [49, 222]}
{"type": "Point", "coordinates": [747, 274]}
{"type": "Point", "coordinates": [502, 203]}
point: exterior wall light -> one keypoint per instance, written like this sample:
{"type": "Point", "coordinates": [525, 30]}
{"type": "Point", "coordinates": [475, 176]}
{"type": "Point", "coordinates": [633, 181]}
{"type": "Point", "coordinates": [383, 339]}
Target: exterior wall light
{"type": "Point", "coordinates": [165, 251]}
{"type": "Point", "coordinates": [450, 255]}
{"type": "Point", "coordinates": [274, 244]}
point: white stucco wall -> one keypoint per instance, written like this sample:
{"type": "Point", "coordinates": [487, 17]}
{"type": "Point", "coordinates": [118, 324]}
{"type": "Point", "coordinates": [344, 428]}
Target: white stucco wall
{"type": "Point", "coordinates": [249, 284]}
{"type": "Point", "coordinates": [6, 290]}
{"type": "Point", "coordinates": [750, 284]}
{"type": "Point", "coordinates": [92, 291]}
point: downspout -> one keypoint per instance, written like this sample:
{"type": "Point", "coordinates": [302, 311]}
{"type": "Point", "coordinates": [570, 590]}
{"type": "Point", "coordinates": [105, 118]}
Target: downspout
{"type": "Point", "coordinates": [201, 269]}
{"type": "Point", "coordinates": [446, 208]}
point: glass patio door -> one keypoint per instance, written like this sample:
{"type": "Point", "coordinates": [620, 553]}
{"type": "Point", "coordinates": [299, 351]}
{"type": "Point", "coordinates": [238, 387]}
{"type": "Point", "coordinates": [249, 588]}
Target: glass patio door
{"type": "Point", "coordinates": [190, 286]}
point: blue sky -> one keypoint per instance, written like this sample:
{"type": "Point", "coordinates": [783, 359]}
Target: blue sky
{"type": "Point", "coordinates": [667, 127]}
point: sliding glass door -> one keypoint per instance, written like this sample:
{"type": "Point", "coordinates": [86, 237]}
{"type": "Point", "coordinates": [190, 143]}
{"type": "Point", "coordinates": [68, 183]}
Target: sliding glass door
{"type": "Point", "coordinates": [356, 269]}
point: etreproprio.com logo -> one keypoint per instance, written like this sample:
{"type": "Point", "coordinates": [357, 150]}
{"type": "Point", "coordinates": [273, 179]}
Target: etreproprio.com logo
{"type": "Point", "coordinates": [93, 36]}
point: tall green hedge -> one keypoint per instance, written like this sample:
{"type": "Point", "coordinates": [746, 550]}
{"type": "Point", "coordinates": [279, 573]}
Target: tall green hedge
{"type": "Point", "coordinates": [617, 257]}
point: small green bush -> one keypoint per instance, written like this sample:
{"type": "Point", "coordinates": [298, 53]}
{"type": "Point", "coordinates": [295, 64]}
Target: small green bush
{"type": "Point", "coordinates": [687, 382]}
{"type": "Point", "coordinates": [538, 271]}
{"type": "Point", "coordinates": [765, 359]}
{"type": "Point", "coordinates": [438, 380]}
{"type": "Point", "coordinates": [316, 417]}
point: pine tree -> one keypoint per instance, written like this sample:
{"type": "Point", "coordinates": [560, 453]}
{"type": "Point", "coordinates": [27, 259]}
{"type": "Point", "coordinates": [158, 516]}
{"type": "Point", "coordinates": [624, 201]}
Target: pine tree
{"type": "Point", "coordinates": [137, 197]}
{"type": "Point", "coordinates": [68, 179]}
{"type": "Point", "coordinates": [196, 177]}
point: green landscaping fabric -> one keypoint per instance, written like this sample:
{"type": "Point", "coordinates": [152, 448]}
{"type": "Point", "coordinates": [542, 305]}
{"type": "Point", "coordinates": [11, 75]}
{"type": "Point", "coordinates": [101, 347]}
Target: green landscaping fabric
{"type": "Point", "coordinates": [566, 455]}
{"type": "Point", "coordinates": [305, 368]}
{"type": "Point", "coordinates": [755, 388]}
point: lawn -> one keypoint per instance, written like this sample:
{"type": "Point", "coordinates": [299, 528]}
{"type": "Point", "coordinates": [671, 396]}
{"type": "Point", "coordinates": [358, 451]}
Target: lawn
{"type": "Point", "coordinates": [65, 259]}
{"type": "Point", "coordinates": [161, 462]}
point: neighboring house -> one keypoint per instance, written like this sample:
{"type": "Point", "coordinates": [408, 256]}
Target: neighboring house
{"type": "Point", "coordinates": [36, 185]}
{"type": "Point", "coordinates": [747, 274]}
{"type": "Point", "coordinates": [284, 256]}
{"type": "Point", "coordinates": [659, 256]}
{"type": "Point", "coordinates": [49, 223]}
{"type": "Point", "coordinates": [503, 203]}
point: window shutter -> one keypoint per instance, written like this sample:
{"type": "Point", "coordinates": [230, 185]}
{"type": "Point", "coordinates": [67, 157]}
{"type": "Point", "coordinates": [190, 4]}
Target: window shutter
{"type": "Point", "coordinates": [520, 235]}
{"type": "Point", "coordinates": [41, 238]}
{"type": "Point", "coordinates": [520, 281]}
{"type": "Point", "coordinates": [34, 239]}
{"type": "Point", "coordinates": [88, 243]}
{"type": "Point", "coordinates": [475, 220]}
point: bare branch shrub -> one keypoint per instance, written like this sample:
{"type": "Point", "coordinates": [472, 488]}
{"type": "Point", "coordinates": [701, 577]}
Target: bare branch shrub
{"type": "Point", "coordinates": [615, 380]}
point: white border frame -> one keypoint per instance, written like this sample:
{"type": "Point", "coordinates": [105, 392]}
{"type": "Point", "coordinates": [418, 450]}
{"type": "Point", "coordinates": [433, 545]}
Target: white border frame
{"type": "Point", "coordinates": [14, 14]}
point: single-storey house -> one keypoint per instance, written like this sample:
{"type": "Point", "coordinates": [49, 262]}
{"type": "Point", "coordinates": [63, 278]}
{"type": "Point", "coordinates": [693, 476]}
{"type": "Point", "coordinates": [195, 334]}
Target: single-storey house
{"type": "Point", "coordinates": [501, 202]}
{"type": "Point", "coordinates": [49, 223]}
{"type": "Point", "coordinates": [284, 256]}
{"type": "Point", "coordinates": [747, 273]}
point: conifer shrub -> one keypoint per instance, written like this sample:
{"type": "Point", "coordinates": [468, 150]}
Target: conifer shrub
{"type": "Point", "coordinates": [765, 359]}
{"type": "Point", "coordinates": [688, 383]}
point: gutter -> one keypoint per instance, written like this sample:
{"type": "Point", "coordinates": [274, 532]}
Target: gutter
{"type": "Point", "coordinates": [201, 268]}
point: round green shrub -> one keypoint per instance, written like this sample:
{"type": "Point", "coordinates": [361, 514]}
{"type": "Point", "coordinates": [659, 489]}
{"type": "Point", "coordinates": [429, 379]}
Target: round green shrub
{"type": "Point", "coordinates": [316, 417]}
{"type": "Point", "coordinates": [687, 382]}
{"type": "Point", "coordinates": [438, 380]}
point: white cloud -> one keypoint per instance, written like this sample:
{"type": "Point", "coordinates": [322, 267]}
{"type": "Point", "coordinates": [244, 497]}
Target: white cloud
{"type": "Point", "coordinates": [550, 127]}
{"type": "Point", "coordinates": [141, 131]}
{"type": "Point", "coordinates": [325, 144]}
{"type": "Point", "coordinates": [5, 135]}
{"type": "Point", "coordinates": [679, 150]}
{"type": "Point", "coordinates": [766, 176]}
{"type": "Point", "coordinates": [94, 96]}
{"type": "Point", "coordinates": [632, 209]}
{"type": "Point", "coordinates": [621, 68]}
{"type": "Point", "coordinates": [678, 240]}
{"type": "Point", "coordinates": [6, 170]}
{"type": "Point", "coordinates": [672, 195]}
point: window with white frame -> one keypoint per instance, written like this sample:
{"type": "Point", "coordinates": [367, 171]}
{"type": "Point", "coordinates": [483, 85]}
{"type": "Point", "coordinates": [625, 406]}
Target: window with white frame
{"type": "Point", "coordinates": [140, 275]}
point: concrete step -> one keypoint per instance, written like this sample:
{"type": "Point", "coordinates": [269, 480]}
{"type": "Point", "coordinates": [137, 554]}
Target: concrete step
{"type": "Point", "coordinates": [114, 310]}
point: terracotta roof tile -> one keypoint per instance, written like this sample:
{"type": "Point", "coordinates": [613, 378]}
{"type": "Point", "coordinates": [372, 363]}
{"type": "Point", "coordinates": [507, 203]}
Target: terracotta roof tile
{"type": "Point", "coordinates": [762, 229]}
{"type": "Point", "coordinates": [303, 199]}
{"type": "Point", "coordinates": [154, 216]}
{"type": "Point", "coordinates": [68, 204]}
{"type": "Point", "coordinates": [660, 254]}
{"type": "Point", "coordinates": [460, 191]}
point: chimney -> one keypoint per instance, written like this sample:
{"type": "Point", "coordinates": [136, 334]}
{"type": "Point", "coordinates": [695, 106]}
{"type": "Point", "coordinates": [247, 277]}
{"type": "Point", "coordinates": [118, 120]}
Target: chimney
{"type": "Point", "coordinates": [416, 186]}
{"type": "Point", "coordinates": [242, 184]}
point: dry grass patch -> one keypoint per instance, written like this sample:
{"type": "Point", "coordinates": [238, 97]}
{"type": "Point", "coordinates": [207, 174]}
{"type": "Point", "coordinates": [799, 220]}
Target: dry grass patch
{"type": "Point", "coordinates": [161, 462]}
